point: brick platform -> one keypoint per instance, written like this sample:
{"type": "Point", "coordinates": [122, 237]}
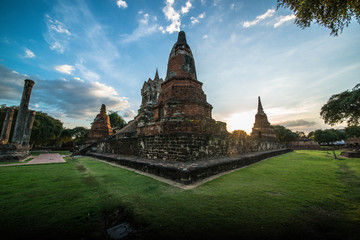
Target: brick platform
{"type": "Point", "coordinates": [188, 172]}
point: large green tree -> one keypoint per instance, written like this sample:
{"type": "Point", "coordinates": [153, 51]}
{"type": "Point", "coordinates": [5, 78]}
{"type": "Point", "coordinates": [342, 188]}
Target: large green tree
{"type": "Point", "coordinates": [116, 121]}
{"type": "Point", "coordinates": [283, 134]}
{"type": "Point", "coordinates": [342, 107]}
{"type": "Point", "coordinates": [352, 131]}
{"type": "Point", "coordinates": [333, 14]}
{"type": "Point", "coordinates": [328, 135]}
{"type": "Point", "coordinates": [80, 134]}
{"type": "Point", "coordinates": [46, 130]}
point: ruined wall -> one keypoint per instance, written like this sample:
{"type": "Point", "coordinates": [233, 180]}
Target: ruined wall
{"type": "Point", "coordinates": [182, 147]}
{"type": "Point", "coordinates": [125, 146]}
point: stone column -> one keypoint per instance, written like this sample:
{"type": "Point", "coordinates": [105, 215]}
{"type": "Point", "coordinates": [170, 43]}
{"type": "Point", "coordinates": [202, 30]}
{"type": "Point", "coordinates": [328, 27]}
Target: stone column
{"type": "Point", "coordinates": [23, 112]}
{"type": "Point", "coordinates": [5, 132]}
{"type": "Point", "coordinates": [27, 128]}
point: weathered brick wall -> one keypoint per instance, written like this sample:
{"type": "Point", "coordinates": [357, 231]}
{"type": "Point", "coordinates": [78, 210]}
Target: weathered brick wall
{"type": "Point", "coordinates": [124, 146]}
{"type": "Point", "coordinates": [182, 146]}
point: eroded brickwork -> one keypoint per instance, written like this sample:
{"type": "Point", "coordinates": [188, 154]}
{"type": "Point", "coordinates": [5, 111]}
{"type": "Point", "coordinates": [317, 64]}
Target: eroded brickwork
{"type": "Point", "coordinates": [101, 127]}
{"type": "Point", "coordinates": [262, 129]}
{"type": "Point", "coordinates": [175, 121]}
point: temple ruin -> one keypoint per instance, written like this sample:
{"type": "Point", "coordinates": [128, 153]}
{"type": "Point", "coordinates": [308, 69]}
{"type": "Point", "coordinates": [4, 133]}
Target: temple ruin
{"type": "Point", "coordinates": [100, 128]}
{"type": "Point", "coordinates": [174, 134]}
{"type": "Point", "coordinates": [18, 147]}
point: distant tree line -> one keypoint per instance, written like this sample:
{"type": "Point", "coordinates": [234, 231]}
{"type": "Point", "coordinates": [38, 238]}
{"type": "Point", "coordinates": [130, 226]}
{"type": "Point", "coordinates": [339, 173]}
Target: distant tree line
{"type": "Point", "coordinates": [48, 131]}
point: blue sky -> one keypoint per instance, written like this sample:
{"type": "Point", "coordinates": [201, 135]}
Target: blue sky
{"type": "Point", "coordinates": [88, 52]}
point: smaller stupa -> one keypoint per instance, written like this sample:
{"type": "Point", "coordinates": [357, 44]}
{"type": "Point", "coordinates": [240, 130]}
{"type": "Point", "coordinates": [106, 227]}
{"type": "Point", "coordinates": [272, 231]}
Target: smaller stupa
{"type": "Point", "coordinates": [262, 128]}
{"type": "Point", "coordinates": [101, 127]}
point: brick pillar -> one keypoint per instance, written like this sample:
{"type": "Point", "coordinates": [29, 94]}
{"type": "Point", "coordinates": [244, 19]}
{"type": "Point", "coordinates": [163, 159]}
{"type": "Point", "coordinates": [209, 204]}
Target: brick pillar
{"type": "Point", "coordinates": [28, 127]}
{"type": "Point", "coordinates": [5, 132]}
{"type": "Point", "coordinates": [23, 112]}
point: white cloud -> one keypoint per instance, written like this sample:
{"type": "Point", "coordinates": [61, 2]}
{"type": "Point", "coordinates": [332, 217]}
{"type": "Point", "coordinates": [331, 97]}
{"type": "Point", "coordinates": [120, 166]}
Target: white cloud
{"type": "Point", "coordinates": [129, 114]}
{"type": "Point", "coordinates": [232, 6]}
{"type": "Point", "coordinates": [162, 29]}
{"type": "Point", "coordinates": [79, 79]}
{"type": "Point", "coordinates": [186, 8]}
{"type": "Point", "coordinates": [146, 26]}
{"type": "Point", "coordinates": [269, 13]}
{"type": "Point", "coordinates": [59, 27]}
{"type": "Point", "coordinates": [196, 20]}
{"type": "Point", "coordinates": [172, 16]}
{"type": "Point", "coordinates": [205, 36]}
{"type": "Point", "coordinates": [284, 19]}
{"type": "Point", "coordinates": [121, 4]}
{"type": "Point", "coordinates": [57, 47]}
{"type": "Point", "coordinates": [29, 53]}
{"type": "Point", "coordinates": [57, 35]}
{"type": "Point", "coordinates": [67, 69]}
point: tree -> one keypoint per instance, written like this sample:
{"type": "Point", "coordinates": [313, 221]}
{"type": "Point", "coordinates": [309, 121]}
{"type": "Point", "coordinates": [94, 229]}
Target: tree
{"type": "Point", "coordinates": [342, 107]}
{"type": "Point", "coordinates": [46, 130]}
{"type": "Point", "coordinates": [328, 136]}
{"type": "Point", "coordinates": [333, 14]}
{"type": "Point", "coordinates": [116, 121]}
{"type": "Point", "coordinates": [283, 134]}
{"type": "Point", "coordinates": [352, 132]}
{"type": "Point", "coordinates": [79, 134]}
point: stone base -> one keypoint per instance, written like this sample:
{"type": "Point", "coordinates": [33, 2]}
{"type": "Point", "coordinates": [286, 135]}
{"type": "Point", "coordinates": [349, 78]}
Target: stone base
{"type": "Point", "coordinates": [188, 172]}
{"type": "Point", "coordinates": [12, 152]}
{"type": "Point", "coordinates": [350, 154]}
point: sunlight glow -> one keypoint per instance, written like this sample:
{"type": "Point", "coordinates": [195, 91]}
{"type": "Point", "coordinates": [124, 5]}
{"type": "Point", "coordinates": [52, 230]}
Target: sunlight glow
{"type": "Point", "coordinates": [241, 121]}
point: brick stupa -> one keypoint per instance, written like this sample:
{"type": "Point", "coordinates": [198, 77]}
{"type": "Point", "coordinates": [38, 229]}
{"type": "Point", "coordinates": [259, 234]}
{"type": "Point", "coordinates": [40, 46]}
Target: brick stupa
{"type": "Point", "coordinates": [262, 128]}
{"type": "Point", "coordinates": [101, 127]}
{"type": "Point", "coordinates": [182, 105]}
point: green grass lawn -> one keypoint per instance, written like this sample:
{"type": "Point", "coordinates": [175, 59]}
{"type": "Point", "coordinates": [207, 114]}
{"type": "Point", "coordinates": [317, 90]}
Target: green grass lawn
{"type": "Point", "coordinates": [299, 195]}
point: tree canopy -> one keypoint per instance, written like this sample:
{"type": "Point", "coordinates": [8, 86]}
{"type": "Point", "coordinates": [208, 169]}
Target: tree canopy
{"type": "Point", "coordinates": [116, 121]}
{"type": "Point", "coordinates": [283, 134]}
{"type": "Point", "coordinates": [327, 136]}
{"type": "Point", "coordinates": [333, 14]}
{"type": "Point", "coordinates": [79, 134]}
{"type": "Point", "coordinates": [46, 130]}
{"type": "Point", "coordinates": [342, 107]}
{"type": "Point", "coordinates": [352, 132]}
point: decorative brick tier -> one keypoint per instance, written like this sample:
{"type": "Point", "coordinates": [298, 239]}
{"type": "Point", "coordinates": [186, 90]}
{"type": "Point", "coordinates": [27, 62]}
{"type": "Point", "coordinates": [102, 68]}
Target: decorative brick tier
{"type": "Point", "coordinates": [188, 172]}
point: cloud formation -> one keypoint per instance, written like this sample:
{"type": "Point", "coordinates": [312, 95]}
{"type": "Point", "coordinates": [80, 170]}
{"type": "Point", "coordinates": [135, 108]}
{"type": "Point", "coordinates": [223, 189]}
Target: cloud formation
{"type": "Point", "coordinates": [269, 13]}
{"type": "Point", "coordinates": [72, 98]}
{"type": "Point", "coordinates": [67, 69]}
{"type": "Point", "coordinates": [284, 19]}
{"type": "Point", "coordinates": [146, 26]}
{"type": "Point", "coordinates": [196, 20]}
{"type": "Point", "coordinates": [298, 123]}
{"type": "Point", "coordinates": [57, 35]}
{"type": "Point", "coordinates": [173, 16]}
{"type": "Point", "coordinates": [121, 4]}
{"type": "Point", "coordinates": [186, 8]}
{"type": "Point", "coordinates": [29, 53]}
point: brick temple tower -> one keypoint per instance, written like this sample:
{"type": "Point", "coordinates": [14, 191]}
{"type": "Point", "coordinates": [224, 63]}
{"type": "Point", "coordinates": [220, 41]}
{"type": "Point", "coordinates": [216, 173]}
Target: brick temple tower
{"type": "Point", "coordinates": [101, 127]}
{"type": "Point", "coordinates": [262, 128]}
{"type": "Point", "coordinates": [182, 105]}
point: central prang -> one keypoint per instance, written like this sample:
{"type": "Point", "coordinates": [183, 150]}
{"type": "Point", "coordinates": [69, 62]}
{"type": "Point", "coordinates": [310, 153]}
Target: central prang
{"type": "Point", "coordinates": [182, 105]}
{"type": "Point", "coordinates": [174, 122]}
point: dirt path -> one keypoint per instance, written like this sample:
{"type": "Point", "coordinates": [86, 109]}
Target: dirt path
{"type": "Point", "coordinates": [41, 159]}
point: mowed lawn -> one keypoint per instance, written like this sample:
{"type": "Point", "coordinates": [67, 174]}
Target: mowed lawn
{"type": "Point", "coordinates": [299, 195]}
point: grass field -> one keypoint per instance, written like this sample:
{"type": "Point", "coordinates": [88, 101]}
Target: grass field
{"type": "Point", "coordinates": [299, 195]}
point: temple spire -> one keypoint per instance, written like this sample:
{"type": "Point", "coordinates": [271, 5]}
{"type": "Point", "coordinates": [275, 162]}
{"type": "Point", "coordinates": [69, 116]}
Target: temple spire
{"type": "Point", "coordinates": [260, 108]}
{"type": "Point", "coordinates": [156, 74]}
{"type": "Point", "coordinates": [181, 38]}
